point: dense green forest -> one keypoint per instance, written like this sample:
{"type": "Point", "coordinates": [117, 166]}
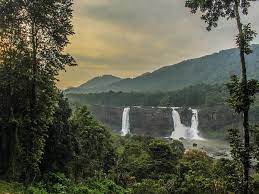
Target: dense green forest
{"type": "Point", "coordinates": [198, 95]}
{"type": "Point", "coordinates": [48, 148]}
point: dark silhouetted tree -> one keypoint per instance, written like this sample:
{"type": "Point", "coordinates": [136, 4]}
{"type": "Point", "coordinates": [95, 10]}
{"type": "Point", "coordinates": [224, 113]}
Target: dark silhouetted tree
{"type": "Point", "coordinates": [33, 36]}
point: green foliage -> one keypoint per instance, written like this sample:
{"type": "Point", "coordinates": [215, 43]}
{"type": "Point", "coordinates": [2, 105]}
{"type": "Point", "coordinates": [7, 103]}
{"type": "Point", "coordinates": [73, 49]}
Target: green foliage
{"type": "Point", "coordinates": [237, 147]}
{"type": "Point", "coordinates": [11, 187]}
{"type": "Point", "coordinates": [195, 161]}
{"type": "Point", "coordinates": [246, 37]}
{"type": "Point", "coordinates": [239, 100]}
{"type": "Point", "coordinates": [197, 95]}
{"type": "Point", "coordinates": [56, 183]}
{"type": "Point", "coordinates": [177, 149]}
{"type": "Point", "coordinates": [104, 186]}
{"type": "Point", "coordinates": [255, 183]}
{"type": "Point", "coordinates": [59, 184]}
{"type": "Point", "coordinates": [58, 151]}
{"type": "Point", "coordinates": [196, 184]}
{"type": "Point", "coordinates": [133, 161]}
{"type": "Point", "coordinates": [162, 158]}
{"type": "Point", "coordinates": [242, 95]}
{"type": "Point", "coordinates": [147, 158]}
{"type": "Point", "coordinates": [212, 11]}
{"type": "Point", "coordinates": [228, 175]}
{"type": "Point", "coordinates": [92, 143]}
{"type": "Point", "coordinates": [148, 186]}
{"type": "Point", "coordinates": [160, 150]}
{"type": "Point", "coordinates": [35, 190]}
{"type": "Point", "coordinates": [255, 146]}
{"type": "Point", "coordinates": [195, 170]}
{"type": "Point", "coordinates": [241, 92]}
{"type": "Point", "coordinates": [198, 173]}
{"type": "Point", "coordinates": [33, 37]}
{"type": "Point", "coordinates": [55, 151]}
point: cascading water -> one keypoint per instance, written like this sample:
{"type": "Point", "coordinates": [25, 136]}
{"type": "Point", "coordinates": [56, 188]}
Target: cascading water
{"type": "Point", "coordinates": [194, 127]}
{"type": "Point", "coordinates": [125, 129]}
{"type": "Point", "coordinates": [180, 130]}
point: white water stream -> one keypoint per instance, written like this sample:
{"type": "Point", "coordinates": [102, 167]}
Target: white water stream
{"type": "Point", "coordinates": [125, 129]}
{"type": "Point", "coordinates": [182, 131]}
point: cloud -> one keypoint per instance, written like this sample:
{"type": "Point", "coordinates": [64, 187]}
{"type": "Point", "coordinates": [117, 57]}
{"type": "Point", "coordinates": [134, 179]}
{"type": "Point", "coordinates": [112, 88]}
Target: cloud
{"type": "Point", "coordinates": [129, 37]}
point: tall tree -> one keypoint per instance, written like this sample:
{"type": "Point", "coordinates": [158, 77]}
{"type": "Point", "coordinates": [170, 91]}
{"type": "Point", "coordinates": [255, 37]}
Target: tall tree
{"type": "Point", "coordinates": [33, 36]}
{"type": "Point", "coordinates": [92, 145]}
{"type": "Point", "coordinates": [242, 92]}
{"type": "Point", "coordinates": [58, 151]}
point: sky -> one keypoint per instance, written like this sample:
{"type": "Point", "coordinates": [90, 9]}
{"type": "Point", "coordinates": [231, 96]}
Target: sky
{"type": "Point", "coordinates": [127, 38]}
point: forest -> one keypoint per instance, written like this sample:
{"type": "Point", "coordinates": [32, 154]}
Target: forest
{"type": "Point", "coordinates": [197, 95]}
{"type": "Point", "coordinates": [46, 147]}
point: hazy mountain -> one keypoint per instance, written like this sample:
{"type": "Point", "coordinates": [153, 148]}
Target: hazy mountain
{"type": "Point", "coordinates": [94, 85]}
{"type": "Point", "coordinates": [210, 69]}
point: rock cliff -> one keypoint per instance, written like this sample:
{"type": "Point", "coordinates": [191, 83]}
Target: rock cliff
{"type": "Point", "coordinates": [158, 122]}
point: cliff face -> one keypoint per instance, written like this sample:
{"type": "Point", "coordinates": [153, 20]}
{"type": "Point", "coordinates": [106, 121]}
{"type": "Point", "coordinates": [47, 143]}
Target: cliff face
{"type": "Point", "coordinates": [215, 121]}
{"type": "Point", "coordinates": [158, 122]}
{"type": "Point", "coordinates": [147, 121]}
{"type": "Point", "coordinates": [108, 116]}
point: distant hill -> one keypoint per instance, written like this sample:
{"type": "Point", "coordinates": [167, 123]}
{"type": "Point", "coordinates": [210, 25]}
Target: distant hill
{"type": "Point", "coordinates": [210, 69]}
{"type": "Point", "coordinates": [94, 85]}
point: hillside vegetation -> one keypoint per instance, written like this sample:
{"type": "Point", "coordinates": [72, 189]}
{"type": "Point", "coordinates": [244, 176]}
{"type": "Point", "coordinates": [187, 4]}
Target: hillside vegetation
{"type": "Point", "coordinates": [210, 69]}
{"type": "Point", "coordinates": [198, 95]}
{"type": "Point", "coordinates": [95, 84]}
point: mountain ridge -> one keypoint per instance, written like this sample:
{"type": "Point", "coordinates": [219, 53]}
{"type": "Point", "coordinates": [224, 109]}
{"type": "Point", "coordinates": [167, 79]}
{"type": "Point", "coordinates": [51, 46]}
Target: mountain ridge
{"type": "Point", "coordinates": [210, 69]}
{"type": "Point", "coordinates": [94, 84]}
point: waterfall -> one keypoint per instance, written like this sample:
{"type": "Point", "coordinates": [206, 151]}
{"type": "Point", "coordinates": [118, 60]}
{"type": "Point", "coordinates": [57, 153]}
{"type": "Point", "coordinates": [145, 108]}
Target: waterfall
{"type": "Point", "coordinates": [194, 127]}
{"type": "Point", "coordinates": [125, 129]}
{"type": "Point", "coordinates": [180, 130]}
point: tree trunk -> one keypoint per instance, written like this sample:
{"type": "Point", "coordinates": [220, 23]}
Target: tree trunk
{"type": "Point", "coordinates": [30, 145]}
{"type": "Point", "coordinates": [243, 80]}
{"type": "Point", "coordinates": [34, 68]}
{"type": "Point", "coordinates": [10, 131]}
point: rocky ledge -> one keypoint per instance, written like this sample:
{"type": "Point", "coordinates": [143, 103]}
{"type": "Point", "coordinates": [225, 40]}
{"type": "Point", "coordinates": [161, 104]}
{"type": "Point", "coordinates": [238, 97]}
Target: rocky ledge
{"type": "Point", "coordinates": [158, 122]}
